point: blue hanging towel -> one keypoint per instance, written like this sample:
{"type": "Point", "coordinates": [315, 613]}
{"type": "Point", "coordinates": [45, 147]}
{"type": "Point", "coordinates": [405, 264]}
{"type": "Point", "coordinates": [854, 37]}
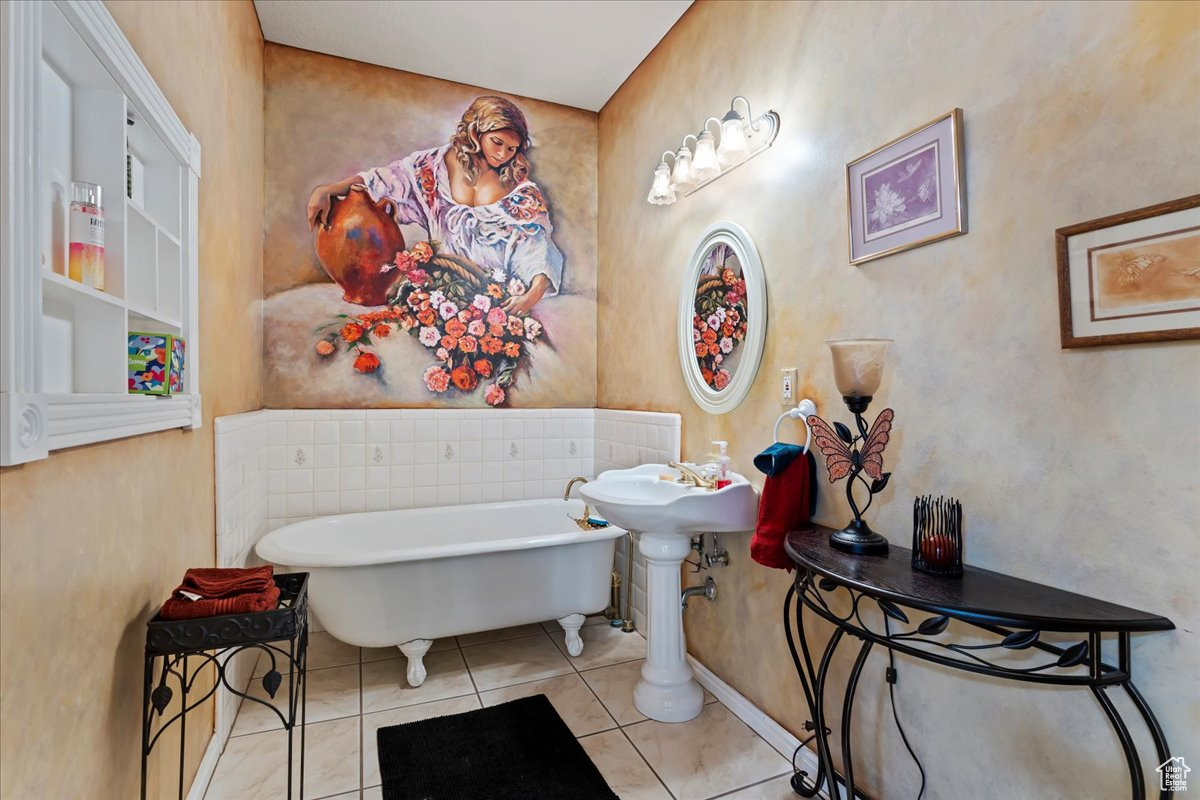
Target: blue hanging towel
{"type": "Point", "coordinates": [774, 459]}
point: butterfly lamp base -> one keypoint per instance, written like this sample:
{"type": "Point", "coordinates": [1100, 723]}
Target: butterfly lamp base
{"type": "Point", "coordinates": [859, 539]}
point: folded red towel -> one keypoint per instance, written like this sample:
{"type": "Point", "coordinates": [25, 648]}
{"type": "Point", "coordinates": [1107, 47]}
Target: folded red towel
{"type": "Point", "coordinates": [212, 583]}
{"type": "Point", "coordinates": [787, 502]}
{"type": "Point", "coordinates": [182, 608]}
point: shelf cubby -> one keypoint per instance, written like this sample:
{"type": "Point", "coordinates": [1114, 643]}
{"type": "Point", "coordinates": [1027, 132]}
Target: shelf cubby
{"type": "Point", "coordinates": [84, 108]}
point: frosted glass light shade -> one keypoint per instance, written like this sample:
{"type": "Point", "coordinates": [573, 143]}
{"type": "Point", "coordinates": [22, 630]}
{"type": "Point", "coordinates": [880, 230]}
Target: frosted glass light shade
{"type": "Point", "coordinates": [704, 163]}
{"type": "Point", "coordinates": [661, 193]}
{"type": "Point", "coordinates": [858, 365]}
{"type": "Point", "coordinates": [734, 147]}
{"type": "Point", "coordinates": [682, 174]}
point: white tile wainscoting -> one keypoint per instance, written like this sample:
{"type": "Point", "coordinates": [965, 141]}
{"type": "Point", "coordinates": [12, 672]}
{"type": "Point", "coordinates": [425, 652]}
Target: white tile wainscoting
{"type": "Point", "coordinates": [241, 480]}
{"type": "Point", "coordinates": [280, 466]}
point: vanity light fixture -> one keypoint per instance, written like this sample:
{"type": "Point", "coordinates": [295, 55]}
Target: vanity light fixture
{"type": "Point", "coordinates": [682, 175]}
{"type": "Point", "coordinates": [708, 158]}
{"type": "Point", "coordinates": [705, 166]}
{"type": "Point", "coordinates": [661, 193]}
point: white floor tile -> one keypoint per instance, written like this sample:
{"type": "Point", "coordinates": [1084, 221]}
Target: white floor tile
{"type": "Point", "coordinates": [371, 723]}
{"type": "Point", "coordinates": [323, 651]}
{"type": "Point", "coordinates": [385, 684]}
{"type": "Point", "coordinates": [515, 661]}
{"type": "Point", "coordinates": [603, 646]}
{"type": "Point", "coordinates": [569, 695]}
{"type": "Point", "coordinates": [331, 693]}
{"type": "Point", "coordinates": [256, 765]}
{"type": "Point", "coordinates": [777, 789]}
{"type": "Point", "coordinates": [484, 637]}
{"type": "Point", "coordinates": [714, 753]}
{"type": "Point", "coordinates": [623, 769]}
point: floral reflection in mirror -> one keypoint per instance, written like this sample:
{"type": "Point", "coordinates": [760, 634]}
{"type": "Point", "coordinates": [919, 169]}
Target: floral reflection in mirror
{"type": "Point", "coordinates": [719, 324]}
{"type": "Point", "coordinates": [722, 316]}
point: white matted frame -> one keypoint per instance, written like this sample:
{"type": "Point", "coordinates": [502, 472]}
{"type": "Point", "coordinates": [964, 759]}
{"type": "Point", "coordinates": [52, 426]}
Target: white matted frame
{"type": "Point", "coordinates": [34, 421]}
{"type": "Point", "coordinates": [738, 240]}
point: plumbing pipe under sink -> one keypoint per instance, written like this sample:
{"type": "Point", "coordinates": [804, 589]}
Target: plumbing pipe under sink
{"type": "Point", "coordinates": [708, 590]}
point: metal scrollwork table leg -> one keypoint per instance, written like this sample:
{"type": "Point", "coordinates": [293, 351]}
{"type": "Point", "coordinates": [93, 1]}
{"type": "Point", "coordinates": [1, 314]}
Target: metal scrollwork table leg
{"type": "Point", "coordinates": [1101, 678]}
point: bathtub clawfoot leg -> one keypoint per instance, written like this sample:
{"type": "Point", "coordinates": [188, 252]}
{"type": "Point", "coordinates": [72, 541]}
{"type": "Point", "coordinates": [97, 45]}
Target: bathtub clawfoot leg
{"type": "Point", "coordinates": [415, 651]}
{"type": "Point", "coordinates": [571, 624]}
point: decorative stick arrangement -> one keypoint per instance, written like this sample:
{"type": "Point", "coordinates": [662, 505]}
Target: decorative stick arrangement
{"type": "Point", "coordinates": [937, 536]}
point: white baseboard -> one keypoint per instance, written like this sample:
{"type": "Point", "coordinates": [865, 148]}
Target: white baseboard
{"type": "Point", "coordinates": [208, 765]}
{"type": "Point", "coordinates": [775, 734]}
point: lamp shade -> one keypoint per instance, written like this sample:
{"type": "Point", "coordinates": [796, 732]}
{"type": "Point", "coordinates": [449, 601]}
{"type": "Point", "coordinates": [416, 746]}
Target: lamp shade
{"type": "Point", "coordinates": [661, 193]}
{"type": "Point", "coordinates": [734, 147]}
{"type": "Point", "coordinates": [682, 174]}
{"type": "Point", "coordinates": [858, 365]}
{"type": "Point", "coordinates": [704, 163]}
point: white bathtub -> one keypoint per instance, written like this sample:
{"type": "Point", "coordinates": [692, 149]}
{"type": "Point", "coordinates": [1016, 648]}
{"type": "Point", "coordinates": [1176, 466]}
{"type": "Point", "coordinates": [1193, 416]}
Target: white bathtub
{"type": "Point", "coordinates": [405, 578]}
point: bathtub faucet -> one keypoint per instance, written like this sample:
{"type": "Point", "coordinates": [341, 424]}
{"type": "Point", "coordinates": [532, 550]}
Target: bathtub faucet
{"type": "Point", "coordinates": [584, 521]}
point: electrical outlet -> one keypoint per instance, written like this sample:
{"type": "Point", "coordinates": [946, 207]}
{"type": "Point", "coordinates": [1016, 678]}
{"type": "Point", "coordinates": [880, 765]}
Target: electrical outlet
{"type": "Point", "coordinates": [787, 392]}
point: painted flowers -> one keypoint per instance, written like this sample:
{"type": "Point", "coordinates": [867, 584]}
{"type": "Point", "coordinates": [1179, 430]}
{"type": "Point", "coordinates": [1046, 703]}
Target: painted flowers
{"type": "Point", "coordinates": [718, 325]}
{"type": "Point", "coordinates": [455, 310]}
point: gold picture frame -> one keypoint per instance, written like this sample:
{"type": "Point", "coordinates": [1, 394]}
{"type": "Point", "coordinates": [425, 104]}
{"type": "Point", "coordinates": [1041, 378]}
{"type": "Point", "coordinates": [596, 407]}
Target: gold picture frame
{"type": "Point", "coordinates": [908, 193]}
{"type": "Point", "coordinates": [1131, 277]}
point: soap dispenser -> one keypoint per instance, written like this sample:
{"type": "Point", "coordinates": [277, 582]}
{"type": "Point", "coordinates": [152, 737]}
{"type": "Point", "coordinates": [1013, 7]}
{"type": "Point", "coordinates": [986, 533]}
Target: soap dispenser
{"type": "Point", "coordinates": [723, 478]}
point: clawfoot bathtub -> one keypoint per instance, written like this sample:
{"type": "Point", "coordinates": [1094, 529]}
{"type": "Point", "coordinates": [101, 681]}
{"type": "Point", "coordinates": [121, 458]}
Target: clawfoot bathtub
{"type": "Point", "coordinates": [405, 578]}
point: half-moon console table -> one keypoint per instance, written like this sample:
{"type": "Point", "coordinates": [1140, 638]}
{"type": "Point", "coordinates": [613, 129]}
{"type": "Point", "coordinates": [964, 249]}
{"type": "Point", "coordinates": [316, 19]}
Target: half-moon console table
{"type": "Point", "coordinates": [836, 585]}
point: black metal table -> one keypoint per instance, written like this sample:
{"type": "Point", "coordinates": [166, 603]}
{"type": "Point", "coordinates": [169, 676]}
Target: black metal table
{"type": "Point", "coordinates": [1016, 612]}
{"type": "Point", "coordinates": [215, 640]}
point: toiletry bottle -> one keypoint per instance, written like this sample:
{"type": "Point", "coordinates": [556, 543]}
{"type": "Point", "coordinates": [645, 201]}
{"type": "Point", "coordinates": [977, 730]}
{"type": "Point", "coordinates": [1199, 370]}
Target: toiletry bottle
{"type": "Point", "coordinates": [86, 261]}
{"type": "Point", "coordinates": [723, 478]}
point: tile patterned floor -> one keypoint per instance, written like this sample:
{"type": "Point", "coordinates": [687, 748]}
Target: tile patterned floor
{"type": "Point", "coordinates": [353, 691]}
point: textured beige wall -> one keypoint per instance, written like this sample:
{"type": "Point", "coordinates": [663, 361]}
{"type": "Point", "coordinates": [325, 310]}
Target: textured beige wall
{"type": "Point", "coordinates": [93, 537]}
{"type": "Point", "coordinates": [1077, 469]}
{"type": "Point", "coordinates": [328, 118]}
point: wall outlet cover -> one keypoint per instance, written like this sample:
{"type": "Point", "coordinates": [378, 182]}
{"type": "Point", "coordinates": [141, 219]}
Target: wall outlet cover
{"type": "Point", "coordinates": [787, 387]}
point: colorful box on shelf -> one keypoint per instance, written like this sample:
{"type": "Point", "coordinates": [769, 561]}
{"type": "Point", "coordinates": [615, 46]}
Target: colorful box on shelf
{"type": "Point", "coordinates": [155, 363]}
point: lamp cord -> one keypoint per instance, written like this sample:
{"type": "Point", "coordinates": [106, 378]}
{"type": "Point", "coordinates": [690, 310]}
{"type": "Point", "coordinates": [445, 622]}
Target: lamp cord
{"type": "Point", "coordinates": [891, 681]}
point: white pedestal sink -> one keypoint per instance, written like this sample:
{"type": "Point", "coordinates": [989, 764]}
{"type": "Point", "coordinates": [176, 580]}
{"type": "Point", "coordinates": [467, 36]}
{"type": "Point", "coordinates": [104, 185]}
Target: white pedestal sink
{"type": "Point", "coordinates": [667, 514]}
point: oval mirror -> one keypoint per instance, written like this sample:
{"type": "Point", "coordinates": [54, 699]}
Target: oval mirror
{"type": "Point", "coordinates": [722, 318]}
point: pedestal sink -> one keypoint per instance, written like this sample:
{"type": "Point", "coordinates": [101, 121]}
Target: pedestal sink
{"type": "Point", "coordinates": [667, 514]}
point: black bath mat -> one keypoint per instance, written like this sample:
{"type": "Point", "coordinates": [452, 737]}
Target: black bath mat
{"type": "Point", "coordinates": [520, 750]}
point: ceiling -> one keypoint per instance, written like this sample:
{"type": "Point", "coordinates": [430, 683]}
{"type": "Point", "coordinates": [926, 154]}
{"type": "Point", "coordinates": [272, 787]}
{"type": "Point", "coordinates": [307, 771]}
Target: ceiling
{"type": "Point", "coordinates": [574, 52]}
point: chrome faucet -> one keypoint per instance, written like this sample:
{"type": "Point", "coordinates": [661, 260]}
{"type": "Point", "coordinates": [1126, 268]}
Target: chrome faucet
{"type": "Point", "coordinates": [584, 521]}
{"type": "Point", "coordinates": [691, 476]}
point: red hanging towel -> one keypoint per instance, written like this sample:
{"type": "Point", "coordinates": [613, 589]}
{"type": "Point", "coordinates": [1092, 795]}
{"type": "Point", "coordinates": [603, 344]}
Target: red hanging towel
{"type": "Point", "coordinates": [787, 502]}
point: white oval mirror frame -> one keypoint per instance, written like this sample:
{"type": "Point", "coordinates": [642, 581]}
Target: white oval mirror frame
{"type": "Point", "coordinates": [708, 398]}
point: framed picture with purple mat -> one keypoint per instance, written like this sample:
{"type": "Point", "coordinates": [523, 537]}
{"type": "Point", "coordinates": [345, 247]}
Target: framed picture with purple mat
{"type": "Point", "coordinates": [519, 750]}
{"type": "Point", "coordinates": [908, 193]}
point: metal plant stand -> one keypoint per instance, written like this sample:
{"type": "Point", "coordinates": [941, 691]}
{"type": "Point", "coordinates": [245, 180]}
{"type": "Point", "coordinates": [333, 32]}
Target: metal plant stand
{"type": "Point", "coordinates": [1013, 612]}
{"type": "Point", "coordinates": [281, 633]}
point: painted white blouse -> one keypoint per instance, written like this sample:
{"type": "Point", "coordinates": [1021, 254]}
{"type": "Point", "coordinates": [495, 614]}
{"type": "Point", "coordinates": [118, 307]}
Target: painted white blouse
{"type": "Point", "coordinates": [513, 234]}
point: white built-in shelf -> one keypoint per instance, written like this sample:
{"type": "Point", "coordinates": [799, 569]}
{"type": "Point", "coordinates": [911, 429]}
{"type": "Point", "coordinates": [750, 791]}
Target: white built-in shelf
{"type": "Point", "coordinates": [77, 101]}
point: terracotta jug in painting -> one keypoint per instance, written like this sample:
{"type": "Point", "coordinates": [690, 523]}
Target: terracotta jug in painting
{"type": "Point", "coordinates": [360, 237]}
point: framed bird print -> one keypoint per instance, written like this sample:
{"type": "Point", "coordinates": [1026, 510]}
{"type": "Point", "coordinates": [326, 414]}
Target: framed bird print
{"type": "Point", "coordinates": [1131, 277]}
{"type": "Point", "coordinates": [908, 193]}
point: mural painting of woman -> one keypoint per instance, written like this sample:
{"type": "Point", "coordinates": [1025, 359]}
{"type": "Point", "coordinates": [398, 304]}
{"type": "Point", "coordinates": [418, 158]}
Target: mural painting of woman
{"type": "Point", "coordinates": [474, 196]}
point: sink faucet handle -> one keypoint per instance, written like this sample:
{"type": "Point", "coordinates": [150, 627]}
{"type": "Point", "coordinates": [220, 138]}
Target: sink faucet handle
{"type": "Point", "coordinates": [694, 477]}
